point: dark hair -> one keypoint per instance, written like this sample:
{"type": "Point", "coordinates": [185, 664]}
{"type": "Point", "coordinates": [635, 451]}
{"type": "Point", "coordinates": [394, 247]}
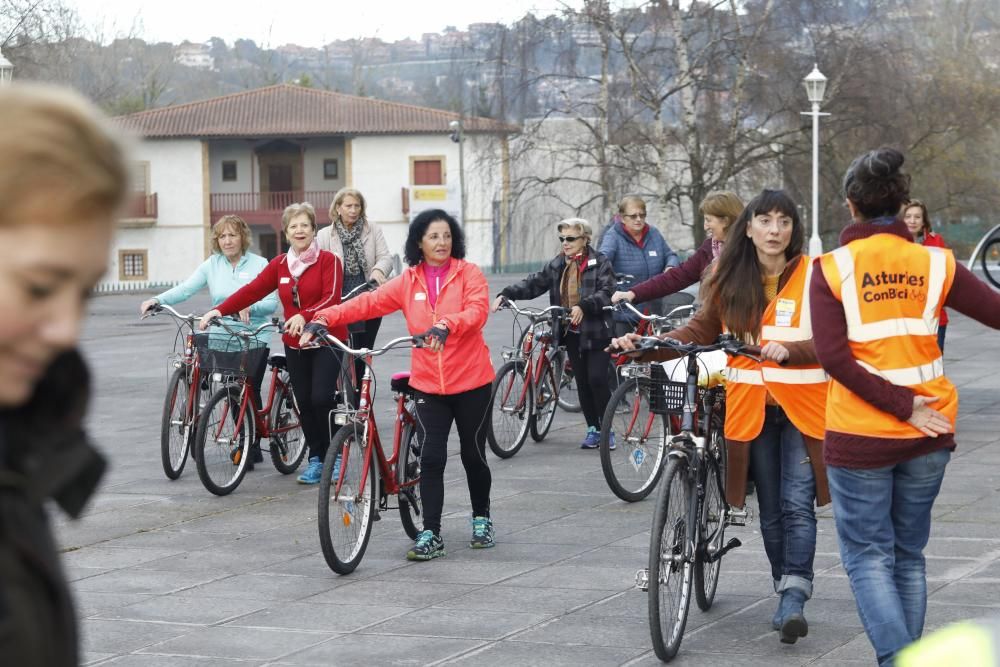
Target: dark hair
{"type": "Point", "coordinates": [411, 251]}
{"type": "Point", "coordinates": [875, 184]}
{"type": "Point", "coordinates": [736, 289]}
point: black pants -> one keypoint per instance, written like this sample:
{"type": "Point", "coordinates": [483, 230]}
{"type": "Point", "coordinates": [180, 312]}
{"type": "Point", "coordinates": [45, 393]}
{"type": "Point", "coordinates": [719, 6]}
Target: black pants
{"type": "Point", "coordinates": [591, 368]}
{"type": "Point", "coordinates": [435, 413]}
{"type": "Point", "coordinates": [360, 339]}
{"type": "Point", "coordinates": [314, 381]}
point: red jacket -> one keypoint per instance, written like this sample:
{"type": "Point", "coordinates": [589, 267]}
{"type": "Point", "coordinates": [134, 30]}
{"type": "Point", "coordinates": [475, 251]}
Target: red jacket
{"type": "Point", "coordinates": [463, 303]}
{"type": "Point", "coordinates": [937, 241]}
{"type": "Point", "coordinates": [318, 287]}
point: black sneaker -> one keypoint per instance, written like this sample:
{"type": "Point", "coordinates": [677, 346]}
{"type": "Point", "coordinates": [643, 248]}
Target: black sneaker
{"type": "Point", "coordinates": [482, 533]}
{"type": "Point", "coordinates": [427, 547]}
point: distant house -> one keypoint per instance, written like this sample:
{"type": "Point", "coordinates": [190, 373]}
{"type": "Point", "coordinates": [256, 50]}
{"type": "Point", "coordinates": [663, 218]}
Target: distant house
{"type": "Point", "coordinates": [198, 56]}
{"type": "Point", "coordinates": [253, 153]}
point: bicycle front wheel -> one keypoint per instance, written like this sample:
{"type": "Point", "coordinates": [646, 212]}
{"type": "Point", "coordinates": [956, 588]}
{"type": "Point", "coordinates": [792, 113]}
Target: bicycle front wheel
{"type": "Point", "coordinates": [569, 397]}
{"type": "Point", "coordinates": [408, 479]}
{"type": "Point", "coordinates": [177, 425]}
{"type": "Point", "coordinates": [639, 437]}
{"type": "Point", "coordinates": [510, 410]}
{"type": "Point", "coordinates": [545, 405]}
{"type": "Point", "coordinates": [346, 510]}
{"type": "Point", "coordinates": [288, 442]}
{"type": "Point", "coordinates": [712, 515]}
{"type": "Point", "coordinates": [222, 442]}
{"type": "Point", "coordinates": [669, 570]}
{"type": "Point", "coordinates": [990, 260]}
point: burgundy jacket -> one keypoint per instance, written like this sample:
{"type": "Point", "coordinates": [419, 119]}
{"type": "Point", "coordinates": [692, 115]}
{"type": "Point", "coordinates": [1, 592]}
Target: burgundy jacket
{"type": "Point", "coordinates": [686, 274]}
{"type": "Point", "coordinates": [968, 295]}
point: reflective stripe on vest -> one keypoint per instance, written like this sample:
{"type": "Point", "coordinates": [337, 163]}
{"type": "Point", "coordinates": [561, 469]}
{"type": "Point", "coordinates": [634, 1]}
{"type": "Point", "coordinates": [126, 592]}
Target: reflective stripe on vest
{"type": "Point", "coordinates": [799, 390]}
{"type": "Point", "coordinates": [903, 286]}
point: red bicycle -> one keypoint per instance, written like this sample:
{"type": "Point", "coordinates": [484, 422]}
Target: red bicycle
{"type": "Point", "coordinates": [356, 470]}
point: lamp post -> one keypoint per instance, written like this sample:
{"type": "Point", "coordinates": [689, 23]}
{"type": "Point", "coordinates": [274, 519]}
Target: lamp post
{"type": "Point", "coordinates": [815, 84]}
{"type": "Point", "coordinates": [458, 136]}
{"type": "Point", "coordinates": [6, 71]}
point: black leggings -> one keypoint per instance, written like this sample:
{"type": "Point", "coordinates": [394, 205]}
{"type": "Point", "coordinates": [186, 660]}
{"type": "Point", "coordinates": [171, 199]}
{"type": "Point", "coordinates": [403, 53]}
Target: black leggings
{"type": "Point", "coordinates": [590, 367]}
{"type": "Point", "coordinates": [435, 413]}
{"type": "Point", "coordinates": [314, 381]}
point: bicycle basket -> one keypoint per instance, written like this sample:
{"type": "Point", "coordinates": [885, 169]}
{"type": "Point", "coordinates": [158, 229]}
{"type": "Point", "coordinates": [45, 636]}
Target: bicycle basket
{"type": "Point", "coordinates": [231, 356]}
{"type": "Point", "coordinates": [665, 396]}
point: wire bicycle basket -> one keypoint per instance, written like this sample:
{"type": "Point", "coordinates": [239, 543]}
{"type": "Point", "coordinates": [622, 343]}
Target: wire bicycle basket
{"type": "Point", "coordinates": [229, 355]}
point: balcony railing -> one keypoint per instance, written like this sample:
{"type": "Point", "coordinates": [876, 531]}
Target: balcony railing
{"type": "Point", "coordinates": [265, 208]}
{"type": "Point", "coordinates": [141, 206]}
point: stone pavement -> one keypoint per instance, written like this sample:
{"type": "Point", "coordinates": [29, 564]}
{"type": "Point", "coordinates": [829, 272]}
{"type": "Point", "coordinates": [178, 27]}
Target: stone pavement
{"type": "Point", "coordinates": [167, 574]}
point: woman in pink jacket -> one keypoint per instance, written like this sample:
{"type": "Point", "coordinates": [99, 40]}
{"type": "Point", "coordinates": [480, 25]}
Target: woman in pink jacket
{"type": "Point", "coordinates": [445, 300]}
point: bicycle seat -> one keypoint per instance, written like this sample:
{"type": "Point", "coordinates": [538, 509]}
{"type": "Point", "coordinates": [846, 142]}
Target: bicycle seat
{"type": "Point", "coordinates": [276, 360]}
{"type": "Point", "coordinates": [401, 382]}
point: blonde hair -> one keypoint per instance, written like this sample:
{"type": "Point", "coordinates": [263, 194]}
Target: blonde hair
{"type": "Point", "coordinates": [238, 225]}
{"type": "Point", "coordinates": [722, 204]}
{"type": "Point", "coordinates": [338, 199]}
{"type": "Point", "coordinates": [54, 144]}
{"type": "Point", "coordinates": [293, 210]}
{"type": "Point", "coordinates": [578, 224]}
{"type": "Point", "coordinates": [631, 199]}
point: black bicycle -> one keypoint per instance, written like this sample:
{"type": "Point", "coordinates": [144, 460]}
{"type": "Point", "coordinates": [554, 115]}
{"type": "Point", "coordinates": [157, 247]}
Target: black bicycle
{"type": "Point", "coordinates": [691, 515]}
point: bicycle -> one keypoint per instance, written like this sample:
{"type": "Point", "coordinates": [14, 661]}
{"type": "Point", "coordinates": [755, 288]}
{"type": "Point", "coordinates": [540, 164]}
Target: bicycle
{"type": "Point", "coordinates": [231, 421]}
{"type": "Point", "coordinates": [634, 459]}
{"type": "Point", "coordinates": [990, 261]}
{"type": "Point", "coordinates": [691, 512]}
{"type": "Point", "coordinates": [181, 406]}
{"type": "Point", "coordinates": [356, 468]}
{"type": "Point", "coordinates": [526, 389]}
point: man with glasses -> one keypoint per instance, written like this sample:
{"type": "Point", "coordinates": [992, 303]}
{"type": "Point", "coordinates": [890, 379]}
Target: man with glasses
{"type": "Point", "coordinates": [637, 250]}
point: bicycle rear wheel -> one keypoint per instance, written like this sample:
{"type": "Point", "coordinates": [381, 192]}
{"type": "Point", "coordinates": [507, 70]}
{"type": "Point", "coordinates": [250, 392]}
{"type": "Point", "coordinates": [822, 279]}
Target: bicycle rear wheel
{"type": "Point", "coordinates": [346, 514]}
{"type": "Point", "coordinates": [569, 398]}
{"type": "Point", "coordinates": [222, 442]}
{"type": "Point", "coordinates": [408, 479]}
{"type": "Point", "coordinates": [634, 466]}
{"type": "Point", "coordinates": [990, 260]}
{"type": "Point", "coordinates": [177, 426]}
{"type": "Point", "coordinates": [713, 521]}
{"type": "Point", "coordinates": [288, 447]}
{"type": "Point", "coordinates": [545, 405]}
{"type": "Point", "coordinates": [669, 571]}
{"type": "Point", "coordinates": [511, 408]}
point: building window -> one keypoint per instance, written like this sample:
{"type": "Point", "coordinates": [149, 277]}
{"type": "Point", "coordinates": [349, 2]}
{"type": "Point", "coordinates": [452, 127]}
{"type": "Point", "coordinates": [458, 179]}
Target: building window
{"type": "Point", "coordinates": [330, 169]}
{"type": "Point", "coordinates": [229, 170]}
{"type": "Point", "coordinates": [133, 265]}
{"type": "Point", "coordinates": [140, 177]}
{"type": "Point", "coordinates": [427, 170]}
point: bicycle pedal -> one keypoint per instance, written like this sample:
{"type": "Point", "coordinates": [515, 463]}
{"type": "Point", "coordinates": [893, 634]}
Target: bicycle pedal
{"type": "Point", "coordinates": [735, 517]}
{"type": "Point", "coordinates": [642, 579]}
{"type": "Point", "coordinates": [730, 545]}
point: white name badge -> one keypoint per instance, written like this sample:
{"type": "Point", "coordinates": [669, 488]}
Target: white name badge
{"type": "Point", "coordinates": [592, 262]}
{"type": "Point", "coordinates": [783, 311]}
{"type": "Point", "coordinates": [419, 296]}
{"type": "Point", "coordinates": [652, 253]}
{"type": "Point", "coordinates": [285, 280]}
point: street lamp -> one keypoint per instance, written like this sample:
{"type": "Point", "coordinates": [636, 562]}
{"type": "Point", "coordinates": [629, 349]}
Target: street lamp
{"type": "Point", "coordinates": [6, 71]}
{"type": "Point", "coordinates": [458, 136]}
{"type": "Point", "coordinates": [815, 84]}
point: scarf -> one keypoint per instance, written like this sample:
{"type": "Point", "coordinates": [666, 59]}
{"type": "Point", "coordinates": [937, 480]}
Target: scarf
{"type": "Point", "coordinates": [297, 264]}
{"type": "Point", "coordinates": [716, 249]}
{"type": "Point", "coordinates": [435, 275]}
{"type": "Point", "coordinates": [354, 248]}
{"type": "Point", "coordinates": [569, 284]}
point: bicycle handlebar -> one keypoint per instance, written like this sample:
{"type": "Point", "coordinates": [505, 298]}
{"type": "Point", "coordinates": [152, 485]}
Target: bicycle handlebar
{"type": "Point", "coordinates": [726, 343]}
{"type": "Point", "coordinates": [329, 339]}
{"type": "Point", "coordinates": [246, 333]}
{"type": "Point", "coordinates": [162, 307]}
{"type": "Point", "coordinates": [367, 286]}
{"type": "Point", "coordinates": [673, 314]}
{"type": "Point", "coordinates": [534, 314]}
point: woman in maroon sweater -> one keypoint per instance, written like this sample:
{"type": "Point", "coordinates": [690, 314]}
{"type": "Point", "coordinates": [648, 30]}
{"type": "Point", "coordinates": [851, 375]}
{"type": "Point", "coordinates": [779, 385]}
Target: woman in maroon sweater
{"type": "Point", "coordinates": [886, 446]}
{"type": "Point", "coordinates": [720, 210]}
{"type": "Point", "coordinates": [307, 279]}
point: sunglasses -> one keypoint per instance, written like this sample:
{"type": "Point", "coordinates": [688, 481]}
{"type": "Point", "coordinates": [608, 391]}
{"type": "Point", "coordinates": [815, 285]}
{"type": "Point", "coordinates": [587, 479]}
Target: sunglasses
{"type": "Point", "coordinates": [295, 296]}
{"type": "Point", "coordinates": [635, 216]}
{"type": "Point", "coordinates": [568, 239]}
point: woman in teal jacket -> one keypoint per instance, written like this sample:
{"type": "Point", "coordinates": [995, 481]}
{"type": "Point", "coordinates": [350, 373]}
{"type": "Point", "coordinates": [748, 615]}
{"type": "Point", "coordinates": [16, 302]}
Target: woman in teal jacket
{"type": "Point", "coordinates": [229, 268]}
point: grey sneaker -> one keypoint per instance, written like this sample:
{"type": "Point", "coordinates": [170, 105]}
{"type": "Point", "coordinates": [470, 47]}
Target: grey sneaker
{"type": "Point", "coordinates": [482, 533]}
{"type": "Point", "coordinates": [428, 546]}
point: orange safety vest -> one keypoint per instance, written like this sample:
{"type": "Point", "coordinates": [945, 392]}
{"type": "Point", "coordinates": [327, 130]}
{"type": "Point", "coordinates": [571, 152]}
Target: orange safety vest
{"type": "Point", "coordinates": [799, 390]}
{"type": "Point", "coordinates": [892, 292]}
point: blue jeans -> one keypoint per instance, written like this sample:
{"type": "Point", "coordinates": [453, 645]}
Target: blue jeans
{"type": "Point", "coordinates": [883, 519]}
{"type": "Point", "coordinates": [786, 494]}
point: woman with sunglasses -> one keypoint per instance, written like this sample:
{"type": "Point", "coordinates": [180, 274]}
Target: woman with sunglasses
{"type": "Point", "coordinates": [307, 279]}
{"type": "Point", "coordinates": [581, 280]}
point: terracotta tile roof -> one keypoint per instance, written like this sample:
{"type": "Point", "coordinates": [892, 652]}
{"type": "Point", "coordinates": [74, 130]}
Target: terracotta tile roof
{"type": "Point", "coordinates": [287, 110]}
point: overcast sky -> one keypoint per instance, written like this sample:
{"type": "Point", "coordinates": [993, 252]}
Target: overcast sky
{"type": "Point", "coordinates": [303, 22]}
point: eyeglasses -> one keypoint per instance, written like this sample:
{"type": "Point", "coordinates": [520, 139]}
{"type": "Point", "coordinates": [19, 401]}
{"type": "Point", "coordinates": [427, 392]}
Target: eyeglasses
{"type": "Point", "coordinates": [295, 296]}
{"type": "Point", "coordinates": [635, 216]}
{"type": "Point", "coordinates": [568, 239]}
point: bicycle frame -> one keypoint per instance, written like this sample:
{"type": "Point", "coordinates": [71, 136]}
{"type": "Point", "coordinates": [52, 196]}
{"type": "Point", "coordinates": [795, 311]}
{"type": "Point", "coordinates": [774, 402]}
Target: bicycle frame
{"type": "Point", "coordinates": [534, 370]}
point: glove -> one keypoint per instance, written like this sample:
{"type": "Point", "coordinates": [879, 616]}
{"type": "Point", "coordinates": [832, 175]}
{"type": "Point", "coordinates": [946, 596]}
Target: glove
{"type": "Point", "coordinates": [316, 329]}
{"type": "Point", "coordinates": [438, 333]}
